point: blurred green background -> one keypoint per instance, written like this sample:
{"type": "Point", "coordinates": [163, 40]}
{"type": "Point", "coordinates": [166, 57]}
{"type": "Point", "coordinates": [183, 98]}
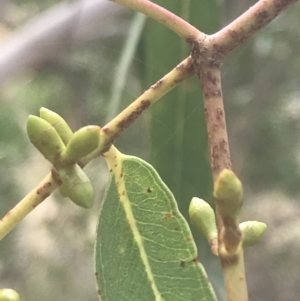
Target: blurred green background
{"type": "Point", "coordinates": [87, 60]}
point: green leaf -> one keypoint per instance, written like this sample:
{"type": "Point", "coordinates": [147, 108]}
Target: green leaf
{"type": "Point", "coordinates": [144, 249]}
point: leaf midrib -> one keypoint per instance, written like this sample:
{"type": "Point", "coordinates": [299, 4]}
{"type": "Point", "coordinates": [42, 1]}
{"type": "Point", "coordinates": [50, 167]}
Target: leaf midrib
{"type": "Point", "coordinates": [114, 161]}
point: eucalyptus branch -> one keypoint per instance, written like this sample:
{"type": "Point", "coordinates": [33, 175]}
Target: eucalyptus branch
{"type": "Point", "coordinates": [230, 238]}
{"type": "Point", "coordinates": [242, 28]}
{"type": "Point", "coordinates": [107, 136]}
{"type": "Point", "coordinates": [207, 54]}
{"type": "Point", "coordinates": [184, 29]}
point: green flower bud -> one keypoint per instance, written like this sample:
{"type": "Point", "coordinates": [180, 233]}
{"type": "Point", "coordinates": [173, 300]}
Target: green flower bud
{"type": "Point", "coordinates": [228, 187]}
{"type": "Point", "coordinates": [252, 232]}
{"type": "Point", "coordinates": [228, 193]}
{"type": "Point", "coordinates": [203, 218]}
{"type": "Point", "coordinates": [45, 138]}
{"type": "Point", "coordinates": [82, 143]}
{"type": "Point", "coordinates": [7, 294]}
{"type": "Point", "coordinates": [58, 123]}
{"type": "Point", "coordinates": [77, 186]}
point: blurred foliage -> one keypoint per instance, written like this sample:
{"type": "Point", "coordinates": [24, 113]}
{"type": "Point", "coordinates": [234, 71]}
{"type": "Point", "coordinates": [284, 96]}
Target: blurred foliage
{"type": "Point", "coordinates": [49, 255]}
{"type": "Point", "coordinates": [13, 151]}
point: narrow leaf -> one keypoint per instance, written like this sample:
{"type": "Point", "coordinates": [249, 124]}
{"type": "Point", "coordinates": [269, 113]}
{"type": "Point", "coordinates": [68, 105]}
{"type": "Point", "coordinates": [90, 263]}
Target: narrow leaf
{"type": "Point", "coordinates": [125, 61]}
{"type": "Point", "coordinates": [144, 249]}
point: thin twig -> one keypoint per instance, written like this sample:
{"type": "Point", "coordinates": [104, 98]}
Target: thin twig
{"type": "Point", "coordinates": [27, 204]}
{"type": "Point", "coordinates": [184, 29]}
{"type": "Point", "coordinates": [234, 277]}
{"type": "Point", "coordinates": [232, 263]}
{"type": "Point", "coordinates": [215, 119]}
{"type": "Point", "coordinates": [245, 26]}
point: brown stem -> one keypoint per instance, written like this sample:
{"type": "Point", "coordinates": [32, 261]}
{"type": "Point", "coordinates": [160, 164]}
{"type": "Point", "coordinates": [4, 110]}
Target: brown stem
{"type": "Point", "coordinates": [242, 28]}
{"type": "Point", "coordinates": [215, 118]}
{"type": "Point", "coordinates": [207, 66]}
{"type": "Point", "coordinates": [232, 260]}
{"type": "Point", "coordinates": [184, 29]}
{"type": "Point", "coordinates": [230, 248]}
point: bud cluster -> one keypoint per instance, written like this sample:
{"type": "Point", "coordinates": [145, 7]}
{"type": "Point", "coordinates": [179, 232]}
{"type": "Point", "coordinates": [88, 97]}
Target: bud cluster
{"type": "Point", "coordinates": [54, 139]}
{"type": "Point", "coordinates": [228, 193]}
